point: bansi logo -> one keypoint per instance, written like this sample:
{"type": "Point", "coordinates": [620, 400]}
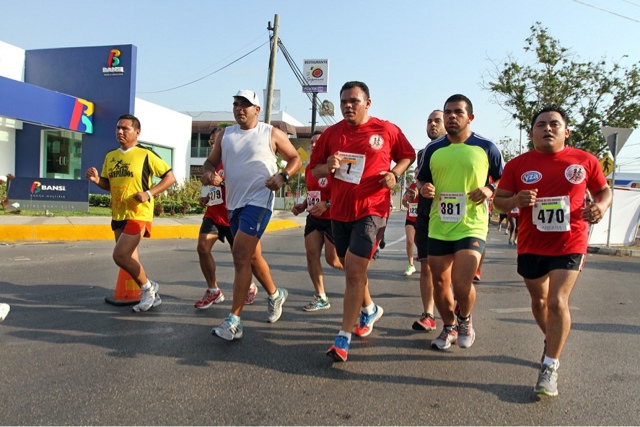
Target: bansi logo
{"type": "Point", "coordinates": [113, 64]}
{"type": "Point", "coordinates": [531, 177]}
{"type": "Point", "coordinates": [37, 187]}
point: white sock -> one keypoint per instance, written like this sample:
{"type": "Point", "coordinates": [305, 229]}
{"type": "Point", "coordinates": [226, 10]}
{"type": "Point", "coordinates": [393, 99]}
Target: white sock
{"type": "Point", "coordinates": [235, 319]}
{"type": "Point", "coordinates": [370, 309]}
{"type": "Point", "coordinates": [146, 285]}
{"type": "Point", "coordinates": [213, 290]}
{"type": "Point", "coordinates": [322, 296]}
{"type": "Point", "coordinates": [345, 334]}
{"type": "Point", "coordinates": [275, 295]}
{"type": "Point", "coordinates": [554, 363]}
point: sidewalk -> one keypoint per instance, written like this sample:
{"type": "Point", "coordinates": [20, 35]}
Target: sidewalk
{"type": "Point", "coordinates": [51, 229]}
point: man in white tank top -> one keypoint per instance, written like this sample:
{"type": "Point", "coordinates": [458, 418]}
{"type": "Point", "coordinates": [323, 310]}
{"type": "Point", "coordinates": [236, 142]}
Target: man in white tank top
{"type": "Point", "coordinates": [248, 151]}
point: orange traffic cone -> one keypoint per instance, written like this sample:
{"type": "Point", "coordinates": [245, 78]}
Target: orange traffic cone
{"type": "Point", "coordinates": [127, 291]}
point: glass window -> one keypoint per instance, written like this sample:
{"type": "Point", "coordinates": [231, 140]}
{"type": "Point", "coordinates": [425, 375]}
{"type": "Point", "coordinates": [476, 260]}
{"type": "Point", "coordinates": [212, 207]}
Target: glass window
{"type": "Point", "coordinates": [62, 154]}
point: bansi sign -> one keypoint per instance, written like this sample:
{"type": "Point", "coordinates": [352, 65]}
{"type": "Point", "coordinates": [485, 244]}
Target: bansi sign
{"type": "Point", "coordinates": [113, 67]}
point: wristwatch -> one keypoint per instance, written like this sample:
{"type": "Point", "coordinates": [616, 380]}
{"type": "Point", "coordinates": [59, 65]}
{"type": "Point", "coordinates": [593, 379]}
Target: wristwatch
{"type": "Point", "coordinates": [493, 187]}
{"type": "Point", "coordinates": [396, 174]}
{"type": "Point", "coordinates": [328, 204]}
{"type": "Point", "coordinates": [285, 175]}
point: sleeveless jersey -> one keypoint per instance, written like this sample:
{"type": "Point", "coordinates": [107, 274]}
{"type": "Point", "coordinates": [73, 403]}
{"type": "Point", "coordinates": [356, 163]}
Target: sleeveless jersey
{"type": "Point", "coordinates": [249, 161]}
{"type": "Point", "coordinates": [318, 190]}
{"type": "Point", "coordinates": [217, 208]}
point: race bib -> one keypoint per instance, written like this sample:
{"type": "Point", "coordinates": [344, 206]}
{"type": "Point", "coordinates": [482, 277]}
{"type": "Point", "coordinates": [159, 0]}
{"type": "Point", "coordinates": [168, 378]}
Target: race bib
{"type": "Point", "coordinates": [413, 210]}
{"type": "Point", "coordinates": [452, 206]}
{"type": "Point", "coordinates": [313, 197]}
{"type": "Point", "coordinates": [552, 214]}
{"type": "Point", "coordinates": [351, 168]}
{"type": "Point", "coordinates": [214, 194]}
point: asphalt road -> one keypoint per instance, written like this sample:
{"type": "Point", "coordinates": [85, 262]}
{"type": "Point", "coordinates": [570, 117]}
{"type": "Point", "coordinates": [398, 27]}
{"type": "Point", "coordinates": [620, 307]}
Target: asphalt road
{"type": "Point", "coordinates": [67, 357]}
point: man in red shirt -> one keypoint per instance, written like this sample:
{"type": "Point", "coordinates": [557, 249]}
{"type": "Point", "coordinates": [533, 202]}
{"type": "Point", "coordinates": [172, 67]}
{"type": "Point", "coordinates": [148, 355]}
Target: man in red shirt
{"type": "Point", "coordinates": [358, 152]}
{"type": "Point", "coordinates": [549, 185]}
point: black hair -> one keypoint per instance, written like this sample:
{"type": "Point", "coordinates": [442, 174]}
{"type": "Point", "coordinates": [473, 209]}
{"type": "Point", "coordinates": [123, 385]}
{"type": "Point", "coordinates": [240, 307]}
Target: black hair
{"type": "Point", "coordinates": [548, 109]}
{"type": "Point", "coordinates": [459, 97]}
{"type": "Point", "coordinates": [134, 120]}
{"type": "Point", "coordinates": [352, 84]}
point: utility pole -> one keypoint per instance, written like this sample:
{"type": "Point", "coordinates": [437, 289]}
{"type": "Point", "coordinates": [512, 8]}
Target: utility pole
{"type": "Point", "coordinates": [272, 67]}
{"type": "Point", "coordinates": [314, 100]}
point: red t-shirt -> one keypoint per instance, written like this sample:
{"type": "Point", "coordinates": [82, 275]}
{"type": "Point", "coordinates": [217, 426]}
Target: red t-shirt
{"type": "Point", "coordinates": [318, 190]}
{"type": "Point", "coordinates": [370, 148]}
{"type": "Point", "coordinates": [218, 213]}
{"type": "Point", "coordinates": [412, 212]}
{"type": "Point", "coordinates": [566, 174]}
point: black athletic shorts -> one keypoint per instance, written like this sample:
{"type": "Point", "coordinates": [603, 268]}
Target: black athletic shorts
{"type": "Point", "coordinates": [210, 227]}
{"type": "Point", "coordinates": [444, 247]}
{"type": "Point", "coordinates": [318, 224]}
{"type": "Point", "coordinates": [532, 266]}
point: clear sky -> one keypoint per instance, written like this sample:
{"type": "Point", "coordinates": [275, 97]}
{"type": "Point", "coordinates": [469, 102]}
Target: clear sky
{"type": "Point", "coordinates": [413, 54]}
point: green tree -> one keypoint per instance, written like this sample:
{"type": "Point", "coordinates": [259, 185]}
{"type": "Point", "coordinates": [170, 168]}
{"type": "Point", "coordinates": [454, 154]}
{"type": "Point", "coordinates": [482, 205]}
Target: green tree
{"type": "Point", "coordinates": [594, 93]}
{"type": "Point", "coordinates": [509, 148]}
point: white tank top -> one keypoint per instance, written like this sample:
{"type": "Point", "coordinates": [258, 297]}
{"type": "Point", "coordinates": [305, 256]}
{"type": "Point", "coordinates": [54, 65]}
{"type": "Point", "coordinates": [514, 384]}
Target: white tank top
{"type": "Point", "coordinates": [249, 161]}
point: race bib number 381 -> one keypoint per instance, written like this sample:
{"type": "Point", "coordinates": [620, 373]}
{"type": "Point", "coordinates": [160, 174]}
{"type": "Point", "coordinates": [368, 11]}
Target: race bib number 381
{"type": "Point", "coordinates": [552, 214]}
{"type": "Point", "coordinates": [452, 206]}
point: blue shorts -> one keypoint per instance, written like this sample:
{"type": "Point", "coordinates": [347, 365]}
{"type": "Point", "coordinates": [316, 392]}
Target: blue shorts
{"type": "Point", "coordinates": [251, 220]}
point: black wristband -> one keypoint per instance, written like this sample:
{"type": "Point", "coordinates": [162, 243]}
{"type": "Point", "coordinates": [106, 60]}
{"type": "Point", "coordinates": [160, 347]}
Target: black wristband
{"type": "Point", "coordinates": [285, 175]}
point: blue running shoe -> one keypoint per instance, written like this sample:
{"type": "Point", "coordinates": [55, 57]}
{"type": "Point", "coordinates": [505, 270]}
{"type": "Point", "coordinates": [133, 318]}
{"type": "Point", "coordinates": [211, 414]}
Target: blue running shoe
{"type": "Point", "coordinates": [339, 349]}
{"type": "Point", "coordinates": [366, 321]}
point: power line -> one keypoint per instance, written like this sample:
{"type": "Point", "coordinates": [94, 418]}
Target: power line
{"type": "Point", "coordinates": [631, 3]}
{"type": "Point", "coordinates": [208, 75]}
{"type": "Point", "coordinates": [328, 120]}
{"type": "Point", "coordinates": [605, 10]}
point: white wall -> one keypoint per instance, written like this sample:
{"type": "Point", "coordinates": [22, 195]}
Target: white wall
{"type": "Point", "coordinates": [167, 128]}
{"type": "Point", "coordinates": [11, 67]}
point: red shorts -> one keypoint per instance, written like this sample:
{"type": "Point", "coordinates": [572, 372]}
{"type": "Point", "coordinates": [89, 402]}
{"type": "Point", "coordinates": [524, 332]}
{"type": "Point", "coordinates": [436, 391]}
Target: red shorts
{"type": "Point", "coordinates": [132, 226]}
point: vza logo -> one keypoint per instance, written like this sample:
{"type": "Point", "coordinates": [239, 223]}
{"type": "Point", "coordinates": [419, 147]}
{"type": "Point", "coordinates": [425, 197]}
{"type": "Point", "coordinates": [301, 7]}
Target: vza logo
{"type": "Point", "coordinates": [113, 67]}
{"type": "Point", "coordinates": [531, 177]}
{"type": "Point", "coordinates": [37, 187]}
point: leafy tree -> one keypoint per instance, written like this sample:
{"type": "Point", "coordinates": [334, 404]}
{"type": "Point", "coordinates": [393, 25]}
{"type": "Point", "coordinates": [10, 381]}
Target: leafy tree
{"type": "Point", "coordinates": [594, 93]}
{"type": "Point", "coordinates": [509, 148]}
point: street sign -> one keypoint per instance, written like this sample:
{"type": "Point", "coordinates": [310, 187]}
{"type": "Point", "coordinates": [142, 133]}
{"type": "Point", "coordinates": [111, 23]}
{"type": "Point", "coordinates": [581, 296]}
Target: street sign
{"type": "Point", "coordinates": [316, 74]}
{"type": "Point", "coordinates": [610, 135]}
{"type": "Point", "coordinates": [606, 164]}
{"type": "Point", "coordinates": [303, 157]}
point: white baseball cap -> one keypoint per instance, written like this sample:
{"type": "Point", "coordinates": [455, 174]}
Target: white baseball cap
{"type": "Point", "coordinates": [249, 95]}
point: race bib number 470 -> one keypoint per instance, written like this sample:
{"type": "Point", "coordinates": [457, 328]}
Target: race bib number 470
{"type": "Point", "coordinates": [552, 214]}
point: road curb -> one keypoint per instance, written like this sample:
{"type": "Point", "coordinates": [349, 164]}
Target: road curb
{"type": "Point", "coordinates": [613, 251]}
{"type": "Point", "coordinates": [85, 232]}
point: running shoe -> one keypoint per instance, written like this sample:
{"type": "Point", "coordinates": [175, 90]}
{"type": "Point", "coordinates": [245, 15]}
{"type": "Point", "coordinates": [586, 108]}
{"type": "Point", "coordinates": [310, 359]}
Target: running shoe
{"type": "Point", "coordinates": [229, 329]}
{"type": "Point", "coordinates": [209, 299]}
{"type": "Point", "coordinates": [466, 334]}
{"type": "Point", "coordinates": [275, 305]}
{"type": "Point", "coordinates": [149, 298]}
{"type": "Point", "coordinates": [409, 270]}
{"type": "Point", "coordinates": [317, 304]}
{"type": "Point", "coordinates": [476, 277]}
{"type": "Point", "coordinates": [338, 351]}
{"type": "Point", "coordinates": [4, 311]}
{"type": "Point", "coordinates": [251, 295]}
{"type": "Point", "coordinates": [425, 323]}
{"type": "Point", "coordinates": [366, 321]}
{"type": "Point", "coordinates": [547, 381]}
{"type": "Point", "coordinates": [448, 336]}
